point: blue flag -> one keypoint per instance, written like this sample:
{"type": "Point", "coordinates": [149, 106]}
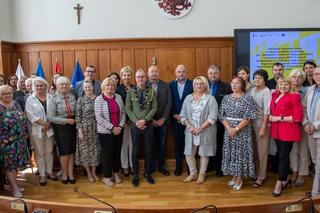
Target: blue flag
{"type": "Point", "coordinates": [77, 75]}
{"type": "Point", "coordinates": [39, 70]}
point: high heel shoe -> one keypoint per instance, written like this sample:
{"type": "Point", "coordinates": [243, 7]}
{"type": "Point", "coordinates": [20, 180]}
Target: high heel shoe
{"type": "Point", "coordinates": [289, 183]}
{"type": "Point", "coordinates": [237, 187]}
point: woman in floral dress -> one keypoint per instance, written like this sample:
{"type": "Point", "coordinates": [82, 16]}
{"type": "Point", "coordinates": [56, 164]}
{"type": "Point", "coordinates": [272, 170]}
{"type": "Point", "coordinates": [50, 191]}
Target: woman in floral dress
{"type": "Point", "coordinates": [87, 147]}
{"type": "Point", "coordinates": [236, 112]}
{"type": "Point", "coordinates": [13, 138]}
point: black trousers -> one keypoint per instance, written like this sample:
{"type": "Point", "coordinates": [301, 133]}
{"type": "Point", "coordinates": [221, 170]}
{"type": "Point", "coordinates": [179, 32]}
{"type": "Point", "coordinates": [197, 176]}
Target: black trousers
{"type": "Point", "coordinates": [138, 136]}
{"type": "Point", "coordinates": [110, 153]}
{"type": "Point", "coordinates": [178, 139]}
{"type": "Point", "coordinates": [284, 149]}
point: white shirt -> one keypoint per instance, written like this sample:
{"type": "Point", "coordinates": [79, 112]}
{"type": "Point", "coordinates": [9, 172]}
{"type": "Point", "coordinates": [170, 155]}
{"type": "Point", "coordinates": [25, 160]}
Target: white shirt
{"type": "Point", "coordinates": [35, 112]}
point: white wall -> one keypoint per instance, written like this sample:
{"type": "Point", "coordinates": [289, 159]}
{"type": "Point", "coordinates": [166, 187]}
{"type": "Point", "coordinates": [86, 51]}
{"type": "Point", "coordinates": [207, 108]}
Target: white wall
{"type": "Point", "coordinates": [5, 21]}
{"type": "Point", "coordinates": [37, 20]}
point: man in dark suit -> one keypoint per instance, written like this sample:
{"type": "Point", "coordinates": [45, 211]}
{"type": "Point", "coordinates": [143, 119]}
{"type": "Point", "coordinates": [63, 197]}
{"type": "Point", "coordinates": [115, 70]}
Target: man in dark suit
{"type": "Point", "coordinates": [90, 75]}
{"type": "Point", "coordinates": [218, 89]}
{"type": "Point", "coordinates": [160, 119]}
{"type": "Point", "coordinates": [277, 70]}
{"type": "Point", "coordinates": [180, 88]}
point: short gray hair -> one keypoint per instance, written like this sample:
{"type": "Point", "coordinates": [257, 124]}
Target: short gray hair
{"type": "Point", "coordinates": [298, 73]}
{"type": "Point", "coordinates": [63, 79]}
{"type": "Point", "coordinates": [214, 67]}
{"type": "Point", "coordinates": [40, 79]}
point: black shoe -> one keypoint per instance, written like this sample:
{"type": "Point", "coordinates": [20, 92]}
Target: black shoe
{"type": "Point", "coordinates": [135, 181]}
{"type": "Point", "coordinates": [178, 171]}
{"type": "Point", "coordinates": [149, 178]}
{"type": "Point", "coordinates": [219, 173]}
{"type": "Point", "coordinates": [72, 181]}
{"type": "Point", "coordinates": [164, 172]}
{"type": "Point", "coordinates": [65, 181]}
{"type": "Point", "coordinates": [52, 177]}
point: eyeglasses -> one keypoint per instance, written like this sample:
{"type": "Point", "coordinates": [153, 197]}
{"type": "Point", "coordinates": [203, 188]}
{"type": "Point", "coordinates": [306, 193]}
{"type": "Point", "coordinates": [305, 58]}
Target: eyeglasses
{"type": "Point", "coordinates": [90, 71]}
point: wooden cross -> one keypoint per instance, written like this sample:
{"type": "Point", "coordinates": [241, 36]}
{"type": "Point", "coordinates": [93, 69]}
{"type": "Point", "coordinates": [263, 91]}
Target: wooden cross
{"type": "Point", "coordinates": [78, 8]}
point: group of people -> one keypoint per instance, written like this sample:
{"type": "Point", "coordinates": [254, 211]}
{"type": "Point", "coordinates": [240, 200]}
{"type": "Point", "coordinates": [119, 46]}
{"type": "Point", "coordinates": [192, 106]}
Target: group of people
{"type": "Point", "coordinates": [232, 127]}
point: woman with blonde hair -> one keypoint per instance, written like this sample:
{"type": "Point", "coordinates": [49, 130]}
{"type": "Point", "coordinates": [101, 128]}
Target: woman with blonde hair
{"type": "Point", "coordinates": [299, 156]}
{"type": "Point", "coordinates": [199, 115]}
{"type": "Point", "coordinates": [286, 114]}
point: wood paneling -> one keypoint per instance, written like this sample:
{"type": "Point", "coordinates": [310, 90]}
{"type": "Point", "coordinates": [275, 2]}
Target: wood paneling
{"type": "Point", "coordinates": [113, 54]}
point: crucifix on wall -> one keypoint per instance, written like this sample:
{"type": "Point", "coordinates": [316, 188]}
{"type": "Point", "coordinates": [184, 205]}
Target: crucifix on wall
{"type": "Point", "coordinates": [78, 8]}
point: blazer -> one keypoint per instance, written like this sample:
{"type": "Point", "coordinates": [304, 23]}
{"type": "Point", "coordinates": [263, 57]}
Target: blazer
{"type": "Point", "coordinates": [78, 91]}
{"type": "Point", "coordinates": [176, 101]}
{"type": "Point", "coordinates": [272, 84]}
{"type": "Point", "coordinates": [306, 105]}
{"type": "Point", "coordinates": [224, 89]}
{"type": "Point", "coordinates": [35, 112]}
{"type": "Point", "coordinates": [208, 138]}
{"type": "Point", "coordinates": [164, 100]}
{"type": "Point", "coordinates": [288, 105]}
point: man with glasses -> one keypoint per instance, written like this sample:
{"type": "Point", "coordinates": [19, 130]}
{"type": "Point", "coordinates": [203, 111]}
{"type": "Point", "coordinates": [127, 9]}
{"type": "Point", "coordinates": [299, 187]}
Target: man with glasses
{"type": "Point", "coordinates": [141, 106]}
{"type": "Point", "coordinates": [90, 74]}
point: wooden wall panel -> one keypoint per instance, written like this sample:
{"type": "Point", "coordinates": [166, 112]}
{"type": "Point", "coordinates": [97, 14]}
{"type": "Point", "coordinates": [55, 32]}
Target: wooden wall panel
{"type": "Point", "coordinates": [68, 63]}
{"type": "Point", "coordinates": [226, 64]}
{"type": "Point", "coordinates": [33, 60]}
{"type": "Point", "coordinates": [46, 64]}
{"type": "Point", "coordinates": [127, 58]}
{"type": "Point", "coordinates": [115, 60]}
{"type": "Point", "coordinates": [201, 61]}
{"type": "Point", "coordinates": [151, 57]}
{"type": "Point", "coordinates": [140, 59]}
{"type": "Point", "coordinates": [104, 64]}
{"type": "Point", "coordinates": [92, 58]}
{"type": "Point", "coordinates": [214, 57]}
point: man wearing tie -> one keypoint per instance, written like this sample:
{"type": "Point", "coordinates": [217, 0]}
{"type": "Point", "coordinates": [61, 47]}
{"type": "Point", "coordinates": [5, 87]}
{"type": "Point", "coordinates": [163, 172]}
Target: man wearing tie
{"type": "Point", "coordinates": [218, 89]}
{"type": "Point", "coordinates": [180, 88]}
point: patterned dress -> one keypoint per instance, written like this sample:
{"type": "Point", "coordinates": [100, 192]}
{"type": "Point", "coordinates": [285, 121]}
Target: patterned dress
{"type": "Point", "coordinates": [87, 150]}
{"type": "Point", "coordinates": [13, 138]}
{"type": "Point", "coordinates": [238, 155]}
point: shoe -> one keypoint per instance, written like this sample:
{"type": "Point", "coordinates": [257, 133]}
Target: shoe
{"type": "Point", "coordinates": [52, 177]}
{"type": "Point", "coordinates": [59, 173]}
{"type": "Point", "coordinates": [135, 181]}
{"type": "Point", "coordinates": [65, 181]}
{"type": "Point", "coordinates": [108, 182]}
{"type": "Point", "coordinates": [237, 187]}
{"type": "Point", "coordinates": [190, 178]}
{"type": "Point", "coordinates": [72, 181]}
{"type": "Point", "coordinates": [125, 172]}
{"type": "Point", "coordinates": [256, 184]}
{"type": "Point", "coordinates": [149, 178]}
{"type": "Point", "coordinates": [117, 178]}
{"type": "Point", "coordinates": [8, 187]}
{"type": "Point", "coordinates": [164, 172]}
{"type": "Point", "coordinates": [289, 183]}
{"type": "Point", "coordinates": [231, 183]}
{"type": "Point", "coordinates": [17, 194]}
{"type": "Point", "coordinates": [219, 173]}
{"type": "Point", "coordinates": [42, 180]}
{"type": "Point", "coordinates": [177, 171]}
{"type": "Point", "coordinates": [201, 178]}
{"type": "Point", "coordinates": [300, 181]}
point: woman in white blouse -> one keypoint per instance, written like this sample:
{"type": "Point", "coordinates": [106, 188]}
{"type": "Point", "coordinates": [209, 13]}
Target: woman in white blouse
{"type": "Point", "coordinates": [199, 113]}
{"type": "Point", "coordinates": [41, 130]}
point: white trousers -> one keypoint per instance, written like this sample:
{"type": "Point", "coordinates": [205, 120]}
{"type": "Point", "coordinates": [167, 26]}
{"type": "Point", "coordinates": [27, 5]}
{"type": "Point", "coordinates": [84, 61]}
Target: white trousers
{"type": "Point", "coordinates": [191, 161]}
{"type": "Point", "coordinates": [314, 145]}
{"type": "Point", "coordinates": [43, 152]}
{"type": "Point", "coordinates": [299, 156]}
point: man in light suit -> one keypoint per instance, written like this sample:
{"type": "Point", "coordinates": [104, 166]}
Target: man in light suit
{"type": "Point", "coordinates": [311, 123]}
{"type": "Point", "coordinates": [180, 88]}
{"type": "Point", "coordinates": [160, 119]}
{"type": "Point", "coordinates": [90, 74]}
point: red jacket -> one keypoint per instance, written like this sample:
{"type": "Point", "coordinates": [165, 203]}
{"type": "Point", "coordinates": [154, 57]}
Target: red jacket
{"type": "Point", "coordinates": [288, 105]}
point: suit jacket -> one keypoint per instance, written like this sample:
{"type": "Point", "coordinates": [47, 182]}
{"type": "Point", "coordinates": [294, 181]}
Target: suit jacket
{"type": "Point", "coordinates": [224, 89]}
{"type": "Point", "coordinates": [78, 91]}
{"type": "Point", "coordinates": [306, 119]}
{"type": "Point", "coordinates": [272, 84]}
{"type": "Point", "coordinates": [288, 105]}
{"type": "Point", "coordinates": [164, 100]}
{"type": "Point", "coordinates": [176, 101]}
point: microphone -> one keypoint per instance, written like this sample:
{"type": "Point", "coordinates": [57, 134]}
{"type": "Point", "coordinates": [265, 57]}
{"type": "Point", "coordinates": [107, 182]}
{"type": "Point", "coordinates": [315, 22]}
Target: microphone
{"type": "Point", "coordinates": [76, 189]}
{"type": "Point", "coordinates": [25, 207]}
{"type": "Point", "coordinates": [205, 208]}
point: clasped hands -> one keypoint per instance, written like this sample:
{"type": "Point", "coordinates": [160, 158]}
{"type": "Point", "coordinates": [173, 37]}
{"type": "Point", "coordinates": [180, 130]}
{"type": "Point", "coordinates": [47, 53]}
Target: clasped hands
{"type": "Point", "coordinates": [141, 124]}
{"type": "Point", "coordinates": [195, 131]}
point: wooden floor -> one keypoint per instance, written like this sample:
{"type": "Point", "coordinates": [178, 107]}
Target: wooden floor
{"type": "Point", "coordinates": [168, 192]}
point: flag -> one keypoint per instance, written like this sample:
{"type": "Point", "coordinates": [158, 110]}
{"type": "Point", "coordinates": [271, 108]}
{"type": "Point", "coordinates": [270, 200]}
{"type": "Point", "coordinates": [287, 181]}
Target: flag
{"type": "Point", "coordinates": [19, 71]}
{"type": "Point", "coordinates": [39, 70]}
{"type": "Point", "coordinates": [77, 75]}
{"type": "Point", "coordinates": [57, 68]}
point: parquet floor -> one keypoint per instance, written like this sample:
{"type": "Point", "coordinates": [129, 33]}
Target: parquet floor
{"type": "Point", "coordinates": [167, 192]}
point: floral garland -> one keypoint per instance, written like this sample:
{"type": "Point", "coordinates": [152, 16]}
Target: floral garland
{"type": "Point", "coordinates": [147, 99]}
